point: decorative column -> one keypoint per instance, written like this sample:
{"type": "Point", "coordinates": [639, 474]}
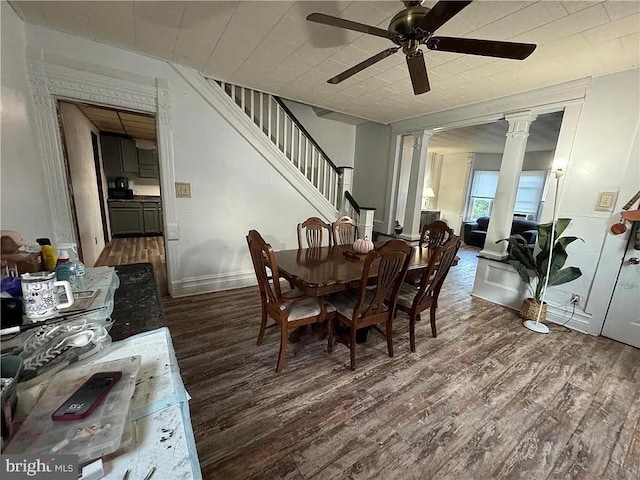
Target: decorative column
{"type": "Point", "coordinates": [53, 162]}
{"type": "Point", "coordinates": [416, 185]}
{"type": "Point", "coordinates": [345, 184]}
{"type": "Point", "coordinates": [505, 199]}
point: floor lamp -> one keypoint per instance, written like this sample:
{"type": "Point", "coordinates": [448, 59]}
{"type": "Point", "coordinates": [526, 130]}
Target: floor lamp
{"type": "Point", "coordinates": [530, 324]}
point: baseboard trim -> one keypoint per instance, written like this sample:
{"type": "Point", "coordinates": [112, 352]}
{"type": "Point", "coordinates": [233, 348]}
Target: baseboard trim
{"type": "Point", "coordinates": [555, 314]}
{"type": "Point", "coordinates": [213, 283]}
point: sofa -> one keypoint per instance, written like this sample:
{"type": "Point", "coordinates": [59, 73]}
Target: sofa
{"type": "Point", "coordinates": [475, 233]}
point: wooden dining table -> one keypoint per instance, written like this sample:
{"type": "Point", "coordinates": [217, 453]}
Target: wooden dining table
{"type": "Point", "coordinates": [325, 270]}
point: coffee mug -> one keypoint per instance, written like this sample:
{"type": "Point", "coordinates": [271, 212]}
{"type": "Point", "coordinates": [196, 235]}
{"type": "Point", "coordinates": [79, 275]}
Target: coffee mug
{"type": "Point", "coordinates": [41, 300]}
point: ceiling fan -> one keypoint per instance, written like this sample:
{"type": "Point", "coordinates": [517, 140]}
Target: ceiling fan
{"type": "Point", "coordinates": [415, 26]}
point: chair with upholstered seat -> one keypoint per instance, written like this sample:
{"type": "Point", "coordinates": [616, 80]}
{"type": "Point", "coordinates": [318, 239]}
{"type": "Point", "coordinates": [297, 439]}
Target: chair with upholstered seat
{"type": "Point", "coordinates": [413, 300]}
{"type": "Point", "coordinates": [313, 229]}
{"type": "Point", "coordinates": [345, 231]}
{"type": "Point", "coordinates": [370, 306]}
{"type": "Point", "coordinates": [287, 312]}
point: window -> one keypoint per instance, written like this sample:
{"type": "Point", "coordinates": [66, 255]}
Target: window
{"type": "Point", "coordinates": [483, 191]}
{"type": "Point", "coordinates": [529, 194]}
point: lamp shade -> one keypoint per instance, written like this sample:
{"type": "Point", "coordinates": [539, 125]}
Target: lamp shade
{"type": "Point", "coordinates": [428, 193]}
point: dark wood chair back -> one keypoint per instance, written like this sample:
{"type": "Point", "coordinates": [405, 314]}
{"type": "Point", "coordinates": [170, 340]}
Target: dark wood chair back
{"type": "Point", "coordinates": [345, 231]}
{"type": "Point", "coordinates": [414, 300]}
{"type": "Point", "coordinates": [261, 252]}
{"type": "Point", "coordinates": [288, 312]}
{"type": "Point", "coordinates": [435, 273]}
{"type": "Point", "coordinates": [313, 229]}
{"type": "Point", "coordinates": [392, 261]}
{"type": "Point", "coordinates": [435, 234]}
{"type": "Point", "coordinates": [355, 310]}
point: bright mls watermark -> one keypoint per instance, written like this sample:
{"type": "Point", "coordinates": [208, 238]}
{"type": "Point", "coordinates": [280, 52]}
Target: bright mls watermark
{"type": "Point", "coordinates": [23, 467]}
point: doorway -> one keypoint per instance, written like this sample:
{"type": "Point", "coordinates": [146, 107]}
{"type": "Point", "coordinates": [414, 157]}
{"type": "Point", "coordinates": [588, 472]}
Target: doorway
{"type": "Point", "coordinates": [114, 176]}
{"type": "Point", "coordinates": [622, 322]}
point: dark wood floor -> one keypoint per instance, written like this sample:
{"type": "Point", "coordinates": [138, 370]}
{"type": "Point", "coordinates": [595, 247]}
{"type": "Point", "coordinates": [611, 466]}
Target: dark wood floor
{"type": "Point", "coordinates": [486, 399]}
{"type": "Point", "coordinates": [123, 251]}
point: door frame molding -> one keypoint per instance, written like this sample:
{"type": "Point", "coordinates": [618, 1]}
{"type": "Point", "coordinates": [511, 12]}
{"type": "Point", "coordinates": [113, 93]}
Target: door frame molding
{"type": "Point", "coordinates": [89, 84]}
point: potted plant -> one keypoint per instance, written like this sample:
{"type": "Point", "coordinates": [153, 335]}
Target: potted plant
{"type": "Point", "coordinates": [528, 266]}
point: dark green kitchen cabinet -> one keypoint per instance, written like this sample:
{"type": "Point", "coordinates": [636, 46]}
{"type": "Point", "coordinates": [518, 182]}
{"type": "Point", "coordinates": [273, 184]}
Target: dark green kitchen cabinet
{"type": "Point", "coordinates": [148, 164]}
{"type": "Point", "coordinates": [131, 217]}
{"type": "Point", "coordinates": [119, 156]}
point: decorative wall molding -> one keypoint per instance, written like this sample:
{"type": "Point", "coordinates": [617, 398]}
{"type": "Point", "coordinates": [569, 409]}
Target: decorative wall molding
{"type": "Point", "coordinates": [50, 83]}
{"type": "Point", "coordinates": [225, 106]}
{"type": "Point", "coordinates": [499, 283]}
{"type": "Point", "coordinates": [544, 100]}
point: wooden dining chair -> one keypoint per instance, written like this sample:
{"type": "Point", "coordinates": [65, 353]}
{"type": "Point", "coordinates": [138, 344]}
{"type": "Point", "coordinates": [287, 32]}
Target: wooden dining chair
{"type": "Point", "coordinates": [413, 301]}
{"type": "Point", "coordinates": [313, 229]}
{"type": "Point", "coordinates": [435, 234]}
{"type": "Point", "coordinates": [371, 306]}
{"type": "Point", "coordinates": [287, 312]}
{"type": "Point", "coordinates": [345, 231]}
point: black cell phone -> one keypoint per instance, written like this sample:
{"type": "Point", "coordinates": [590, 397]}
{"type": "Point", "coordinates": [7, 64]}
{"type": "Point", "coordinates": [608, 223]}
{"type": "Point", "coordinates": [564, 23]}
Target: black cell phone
{"type": "Point", "coordinates": [87, 397]}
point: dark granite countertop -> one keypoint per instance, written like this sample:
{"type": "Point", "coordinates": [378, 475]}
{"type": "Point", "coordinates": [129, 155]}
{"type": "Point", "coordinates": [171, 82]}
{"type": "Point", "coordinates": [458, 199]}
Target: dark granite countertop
{"type": "Point", "coordinates": [137, 198]}
{"type": "Point", "coordinates": [137, 305]}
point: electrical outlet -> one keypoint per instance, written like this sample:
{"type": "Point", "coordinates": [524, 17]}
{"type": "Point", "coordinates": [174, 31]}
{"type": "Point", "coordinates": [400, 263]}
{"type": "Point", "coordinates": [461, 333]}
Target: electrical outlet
{"type": "Point", "coordinates": [575, 298]}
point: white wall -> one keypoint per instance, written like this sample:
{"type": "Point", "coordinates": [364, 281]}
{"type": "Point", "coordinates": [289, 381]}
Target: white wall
{"type": "Point", "coordinates": [452, 189]}
{"type": "Point", "coordinates": [371, 168]}
{"type": "Point", "coordinates": [23, 207]}
{"type": "Point", "coordinates": [337, 139]}
{"type": "Point", "coordinates": [77, 136]}
{"type": "Point", "coordinates": [604, 158]}
{"type": "Point", "coordinates": [233, 188]}
{"type": "Point", "coordinates": [144, 186]}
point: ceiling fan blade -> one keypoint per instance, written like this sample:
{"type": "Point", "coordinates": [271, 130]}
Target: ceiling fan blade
{"type": "Point", "coordinates": [349, 25]}
{"type": "Point", "coordinates": [487, 48]}
{"type": "Point", "coordinates": [362, 65]}
{"type": "Point", "coordinates": [418, 72]}
{"type": "Point", "coordinates": [441, 13]}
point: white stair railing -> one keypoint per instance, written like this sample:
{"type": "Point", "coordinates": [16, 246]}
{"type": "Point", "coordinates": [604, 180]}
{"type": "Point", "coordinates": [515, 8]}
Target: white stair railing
{"type": "Point", "coordinates": [277, 122]}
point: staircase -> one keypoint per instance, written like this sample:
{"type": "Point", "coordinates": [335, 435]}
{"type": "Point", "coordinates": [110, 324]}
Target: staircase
{"type": "Point", "coordinates": [277, 122]}
{"type": "Point", "coordinates": [266, 122]}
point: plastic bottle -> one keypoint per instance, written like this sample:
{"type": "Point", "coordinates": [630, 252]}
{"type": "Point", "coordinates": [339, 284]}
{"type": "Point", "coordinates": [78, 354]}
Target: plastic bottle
{"type": "Point", "coordinates": [79, 282]}
{"type": "Point", "coordinates": [48, 254]}
{"type": "Point", "coordinates": [65, 269]}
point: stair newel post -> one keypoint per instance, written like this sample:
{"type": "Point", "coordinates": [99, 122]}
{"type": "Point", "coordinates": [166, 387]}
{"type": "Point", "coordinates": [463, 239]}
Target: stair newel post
{"type": "Point", "coordinates": [365, 222]}
{"type": "Point", "coordinates": [345, 184]}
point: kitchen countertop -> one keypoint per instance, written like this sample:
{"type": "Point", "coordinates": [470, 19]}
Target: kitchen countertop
{"type": "Point", "coordinates": [137, 198]}
{"type": "Point", "coordinates": [137, 304]}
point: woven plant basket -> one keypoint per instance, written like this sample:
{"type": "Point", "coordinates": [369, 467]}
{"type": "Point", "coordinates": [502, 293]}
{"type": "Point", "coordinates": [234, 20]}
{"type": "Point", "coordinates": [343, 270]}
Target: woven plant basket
{"type": "Point", "coordinates": [529, 310]}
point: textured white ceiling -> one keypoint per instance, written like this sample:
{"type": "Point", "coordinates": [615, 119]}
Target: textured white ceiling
{"type": "Point", "coordinates": [490, 137]}
{"type": "Point", "coordinates": [269, 46]}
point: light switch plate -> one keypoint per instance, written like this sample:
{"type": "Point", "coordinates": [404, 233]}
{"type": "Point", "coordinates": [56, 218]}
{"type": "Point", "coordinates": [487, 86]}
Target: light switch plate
{"type": "Point", "coordinates": [183, 190]}
{"type": "Point", "coordinates": [172, 231]}
{"type": "Point", "coordinates": [606, 201]}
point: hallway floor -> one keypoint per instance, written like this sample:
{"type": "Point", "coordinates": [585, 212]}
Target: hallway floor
{"type": "Point", "coordinates": [124, 251]}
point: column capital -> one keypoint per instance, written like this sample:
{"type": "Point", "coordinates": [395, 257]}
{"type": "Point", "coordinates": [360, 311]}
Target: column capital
{"type": "Point", "coordinates": [421, 138]}
{"type": "Point", "coordinates": [520, 122]}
